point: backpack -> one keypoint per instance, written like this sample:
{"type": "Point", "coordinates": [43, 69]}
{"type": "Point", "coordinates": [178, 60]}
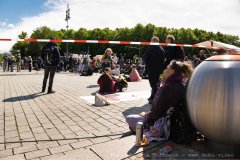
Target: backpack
{"type": "Point", "coordinates": [181, 128]}
{"type": "Point", "coordinates": [49, 55]}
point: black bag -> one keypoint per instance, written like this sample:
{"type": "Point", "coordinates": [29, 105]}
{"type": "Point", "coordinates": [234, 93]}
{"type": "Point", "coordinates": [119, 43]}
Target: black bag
{"type": "Point", "coordinates": [49, 55]}
{"type": "Point", "coordinates": [87, 72]}
{"type": "Point", "coordinates": [181, 128]}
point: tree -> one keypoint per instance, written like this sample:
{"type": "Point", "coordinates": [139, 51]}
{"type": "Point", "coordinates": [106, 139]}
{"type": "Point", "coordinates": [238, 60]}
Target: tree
{"type": "Point", "coordinates": [137, 33]}
{"type": "Point", "coordinates": [20, 47]}
{"type": "Point", "coordinates": [34, 49]}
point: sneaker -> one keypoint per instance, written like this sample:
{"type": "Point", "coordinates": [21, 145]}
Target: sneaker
{"type": "Point", "coordinates": [51, 91]}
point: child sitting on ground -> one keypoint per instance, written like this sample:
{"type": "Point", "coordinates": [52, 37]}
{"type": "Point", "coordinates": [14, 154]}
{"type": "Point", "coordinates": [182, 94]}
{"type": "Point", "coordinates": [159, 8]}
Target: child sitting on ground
{"type": "Point", "coordinates": [134, 75]}
{"type": "Point", "coordinates": [109, 84]}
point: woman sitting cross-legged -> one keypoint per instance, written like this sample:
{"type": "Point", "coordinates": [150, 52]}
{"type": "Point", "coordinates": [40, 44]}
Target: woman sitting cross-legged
{"type": "Point", "coordinates": [109, 84]}
{"type": "Point", "coordinates": [170, 94]}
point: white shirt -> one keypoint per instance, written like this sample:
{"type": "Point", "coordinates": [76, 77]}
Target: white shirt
{"type": "Point", "coordinates": [116, 72]}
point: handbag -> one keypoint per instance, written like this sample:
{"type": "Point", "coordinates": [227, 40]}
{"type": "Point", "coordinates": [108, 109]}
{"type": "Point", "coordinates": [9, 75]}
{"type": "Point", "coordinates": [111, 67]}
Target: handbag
{"type": "Point", "coordinates": [101, 100]}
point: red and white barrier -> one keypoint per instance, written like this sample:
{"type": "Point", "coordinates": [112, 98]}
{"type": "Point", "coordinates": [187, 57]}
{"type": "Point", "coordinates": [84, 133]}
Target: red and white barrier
{"type": "Point", "coordinates": [109, 42]}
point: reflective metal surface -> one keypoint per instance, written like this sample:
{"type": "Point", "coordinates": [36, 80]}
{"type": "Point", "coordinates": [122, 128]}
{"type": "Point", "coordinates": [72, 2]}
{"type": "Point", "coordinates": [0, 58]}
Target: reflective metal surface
{"type": "Point", "coordinates": [213, 98]}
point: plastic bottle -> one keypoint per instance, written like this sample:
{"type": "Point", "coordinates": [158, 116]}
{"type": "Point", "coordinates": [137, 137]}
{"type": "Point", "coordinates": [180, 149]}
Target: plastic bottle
{"type": "Point", "coordinates": [139, 133]}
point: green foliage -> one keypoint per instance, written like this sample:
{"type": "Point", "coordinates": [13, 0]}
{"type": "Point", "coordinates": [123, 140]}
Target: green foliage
{"type": "Point", "coordinates": [20, 47]}
{"type": "Point", "coordinates": [137, 33]}
{"type": "Point", "coordinates": [1, 58]}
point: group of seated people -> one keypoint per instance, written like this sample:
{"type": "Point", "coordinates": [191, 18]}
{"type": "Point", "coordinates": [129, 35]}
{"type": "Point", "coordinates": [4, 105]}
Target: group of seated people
{"type": "Point", "coordinates": [133, 76]}
{"type": "Point", "coordinates": [170, 94]}
{"type": "Point", "coordinates": [107, 61]}
{"type": "Point", "coordinates": [109, 83]}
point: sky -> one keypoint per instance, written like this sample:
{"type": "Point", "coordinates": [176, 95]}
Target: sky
{"type": "Point", "coordinates": [26, 15]}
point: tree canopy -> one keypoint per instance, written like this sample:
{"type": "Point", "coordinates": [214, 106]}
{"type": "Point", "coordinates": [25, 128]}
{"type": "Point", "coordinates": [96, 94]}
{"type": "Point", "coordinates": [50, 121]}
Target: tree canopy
{"type": "Point", "coordinates": [137, 33]}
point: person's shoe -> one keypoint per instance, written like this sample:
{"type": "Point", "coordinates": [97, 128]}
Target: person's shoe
{"type": "Point", "coordinates": [43, 90]}
{"type": "Point", "coordinates": [51, 91]}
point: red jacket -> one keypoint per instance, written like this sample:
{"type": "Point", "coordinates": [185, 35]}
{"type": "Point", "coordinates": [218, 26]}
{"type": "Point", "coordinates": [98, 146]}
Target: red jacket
{"type": "Point", "coordinates": [106, 84]}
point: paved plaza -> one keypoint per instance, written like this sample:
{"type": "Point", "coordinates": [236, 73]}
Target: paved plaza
{"type": "Point", "coordinates": [35, 125]}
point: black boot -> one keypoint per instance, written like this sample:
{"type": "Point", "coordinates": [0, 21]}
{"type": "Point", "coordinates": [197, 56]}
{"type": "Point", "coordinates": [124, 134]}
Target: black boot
{"type": "Point", "coordinates": [50, 91]}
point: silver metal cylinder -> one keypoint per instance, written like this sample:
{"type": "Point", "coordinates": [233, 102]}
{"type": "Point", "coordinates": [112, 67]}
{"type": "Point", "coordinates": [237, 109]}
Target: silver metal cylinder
{"type": "Point", "coordinates": [139, 133]}
{"type": "Point", "coordinates": [213, 98]}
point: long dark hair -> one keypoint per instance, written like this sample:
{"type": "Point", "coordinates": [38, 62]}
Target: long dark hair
{"type": "Point", "coordinates": [106, 70]}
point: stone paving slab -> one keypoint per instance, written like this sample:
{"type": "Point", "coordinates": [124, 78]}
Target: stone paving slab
{"type": "Point", "coordinates": [120, 148]}
{"type": "Point", "coordinates": [84, 154]}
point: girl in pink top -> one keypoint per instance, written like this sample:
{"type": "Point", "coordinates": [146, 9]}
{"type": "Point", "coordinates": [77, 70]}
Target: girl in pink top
{"type": "Point", "coordinates": [134, 75]}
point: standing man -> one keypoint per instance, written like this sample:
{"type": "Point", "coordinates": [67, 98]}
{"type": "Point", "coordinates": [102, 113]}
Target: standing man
{"type": "Point", "coordinates": [10, 63]}
{"type": "Point", "coordinates": [5, 62]}
{"type": "Point", "coordinates": [30, 63]}
{"type": "Point", "coordinates": [173, 52]}
{"type": "Point", "coordinates": [154, 59]}
{"type": "Point", "coordinates": [18, 61]}
{"type": "Point", "coordinates": [51, 57]}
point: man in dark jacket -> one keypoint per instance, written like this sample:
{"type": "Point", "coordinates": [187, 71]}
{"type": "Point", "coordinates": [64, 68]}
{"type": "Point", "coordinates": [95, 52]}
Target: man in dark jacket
{"type": "Point", "coordinates": [51, 57]}
{"type": "Point", "coordinates": [154, 59]}
{"type": "Point", "coordinates": [173, 52]}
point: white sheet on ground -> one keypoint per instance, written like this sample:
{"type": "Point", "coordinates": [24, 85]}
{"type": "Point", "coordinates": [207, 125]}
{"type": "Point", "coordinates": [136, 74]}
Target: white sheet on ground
{"type": "Point", "coordinates": [120, 96]}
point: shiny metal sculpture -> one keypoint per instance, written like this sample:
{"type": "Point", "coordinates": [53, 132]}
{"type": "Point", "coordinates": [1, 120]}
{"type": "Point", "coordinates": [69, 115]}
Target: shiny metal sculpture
{"type": "Point", "coordinates": [213, 98]}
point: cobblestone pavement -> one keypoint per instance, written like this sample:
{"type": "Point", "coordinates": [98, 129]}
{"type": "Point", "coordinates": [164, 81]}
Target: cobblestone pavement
{"type": "Point", "coordinates": [35, 125]}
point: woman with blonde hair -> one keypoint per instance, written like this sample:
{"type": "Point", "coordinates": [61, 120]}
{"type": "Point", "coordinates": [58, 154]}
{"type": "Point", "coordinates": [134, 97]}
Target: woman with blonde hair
{"type": "Point", "coordinates": [107, 58]}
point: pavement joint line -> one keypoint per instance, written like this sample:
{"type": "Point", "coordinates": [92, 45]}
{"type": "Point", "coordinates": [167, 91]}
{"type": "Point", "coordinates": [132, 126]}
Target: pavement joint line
{"type": "Point", "coordinates": [24, 112]}
{"type": "Point", "coordinates": [76, 138]}
{"type": "Point", "coordinates": [14, 85]}
{"type": "Point", "coordinates": [96, 153]}
{"type": "Point", "coordinates": [35, 87]}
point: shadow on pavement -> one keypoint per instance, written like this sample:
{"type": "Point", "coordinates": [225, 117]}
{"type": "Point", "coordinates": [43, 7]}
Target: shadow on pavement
{"type": "Point", "coordinates": [93, 86]}
{"type": "Point", "coordinates": [137, 110]}
{"type": "Point", "coordinates": [94, 93]}
{"type": "Point", "coordinates": [133, 150]}
{"type": "Point", "coordinates": [23, 98]}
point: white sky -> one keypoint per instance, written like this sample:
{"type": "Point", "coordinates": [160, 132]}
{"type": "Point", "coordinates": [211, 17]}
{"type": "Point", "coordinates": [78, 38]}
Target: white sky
{"type": "Point", "coordinates": [210, 15]}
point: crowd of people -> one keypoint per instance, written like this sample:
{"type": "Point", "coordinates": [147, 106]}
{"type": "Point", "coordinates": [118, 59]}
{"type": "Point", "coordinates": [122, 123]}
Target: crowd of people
{"type": "Point", "coordinates": [168, 94]}
{"type": "Point", "coordinates": [167, 70]}
{"type": "Point", "coordinates": [21, 63]}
